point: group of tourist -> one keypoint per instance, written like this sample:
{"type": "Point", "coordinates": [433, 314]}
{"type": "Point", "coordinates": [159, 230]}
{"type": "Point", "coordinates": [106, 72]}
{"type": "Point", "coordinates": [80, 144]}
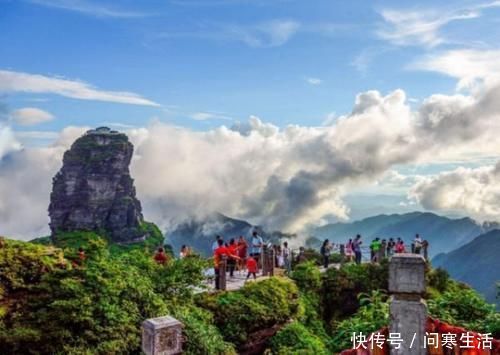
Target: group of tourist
{"type": "Point", "coordinates": [240, 255]}
{"type": "Point", "coordinates": [352, 249]}
{"type": "Point", "coordinates": [237, 257]}
{"type": "Point", "coordinates": [235, 252]}
{"type": "Point", "coordinates": [282, 256]}
{"type": "Point", "coordinates": [380, 249]}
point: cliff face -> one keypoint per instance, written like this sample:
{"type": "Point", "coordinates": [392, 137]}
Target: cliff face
{"type": "Point", "coordinates": [93, 191]}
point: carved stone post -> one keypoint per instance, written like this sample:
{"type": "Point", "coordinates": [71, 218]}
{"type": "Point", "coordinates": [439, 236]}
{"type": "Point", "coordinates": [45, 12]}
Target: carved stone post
{"type": "Point", "coordinates": [408, 312]}
{"type": "Point", "coordinates": [162, 336]}
{"type": "Point", "coordinates": [271, 262]}
{"type": "Point", "coordinates": [263, 260]}
{"type": "Point", "coordinates": [222, 272]}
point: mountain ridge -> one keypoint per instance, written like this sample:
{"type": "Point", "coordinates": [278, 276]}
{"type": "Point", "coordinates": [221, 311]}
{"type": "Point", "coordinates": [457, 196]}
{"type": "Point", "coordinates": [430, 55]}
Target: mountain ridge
{"type": "Point", "coordinates": [199, 232]}
{"type": "Point", "coordinates": [443, 233]}
{"type": "Point", "coordinates": [476, 263]}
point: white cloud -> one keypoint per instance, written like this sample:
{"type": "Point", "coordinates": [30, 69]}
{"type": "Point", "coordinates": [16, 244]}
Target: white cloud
{"type": "Point", "coordinates": [11, 81]}
{"type": "Point", "coordinates": [88, 8]}
{"type": "Point", "coordinates": [24, 202]}
{"type": "Point", "coordinates": [292, 177]}
{"type": "Point", "coordinates": [396, 181]}
{"type": "Point", "coordinates": [282, 178]}
{"type": "Point", "coordinates": [475, 192]}
{"type": "Point", "coordinates": [314, 81]}
{"type": "Point", "coordinates": [204, 116]}
{"type": "Point", "coordinates": [329, 119]}
{"type": "Point", "coordinates": [29, 116]}
{"type": "Point", "coordinates": [267, 34]}
{"type": "Point", "coordinates": [8, 142]}
{"type": "Point", "coordinates": [466, 65]}
{"type": "Point", "coordinates": [417, 27]}
{"type": "Point", "coordinates": [273, 33]}
{"type": "Point", "coordinates": [255, 125]}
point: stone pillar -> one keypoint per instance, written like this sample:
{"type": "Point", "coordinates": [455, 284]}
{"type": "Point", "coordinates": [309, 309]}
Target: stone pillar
{"type": "Point", "coordinates": [408, 312]}
{"type": "Point", "coordinates": [268, 262]}
{"type": "Point", "coordinates": [162, 336]}
{"type": "Point", "coordinates": [263, 260]}
{"type": "Point", "coordinates": [271, 262]}
{"type": "Point", "coordinates": [222, 272]}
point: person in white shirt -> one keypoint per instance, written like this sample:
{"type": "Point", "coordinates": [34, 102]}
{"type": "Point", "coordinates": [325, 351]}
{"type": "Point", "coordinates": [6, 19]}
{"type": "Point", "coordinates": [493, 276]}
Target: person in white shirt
{"type": "Point", "coordinates": [418, 244]}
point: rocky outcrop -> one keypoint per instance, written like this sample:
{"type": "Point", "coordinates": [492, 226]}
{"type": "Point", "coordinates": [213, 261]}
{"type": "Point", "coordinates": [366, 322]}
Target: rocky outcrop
{"type": "Point", "coordinates": [93, 191]}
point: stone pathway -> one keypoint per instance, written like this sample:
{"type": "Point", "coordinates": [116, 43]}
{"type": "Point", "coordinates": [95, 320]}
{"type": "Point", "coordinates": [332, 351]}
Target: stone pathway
{"type": "Point", "coordinates": [239, 279]}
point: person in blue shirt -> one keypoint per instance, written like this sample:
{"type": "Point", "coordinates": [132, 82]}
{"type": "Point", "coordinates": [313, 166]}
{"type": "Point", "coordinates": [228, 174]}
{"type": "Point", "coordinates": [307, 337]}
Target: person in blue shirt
{"type": "Point", "coordinates": [256, 246]}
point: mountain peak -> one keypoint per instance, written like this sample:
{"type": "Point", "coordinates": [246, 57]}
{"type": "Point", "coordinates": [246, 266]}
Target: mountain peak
{"type": "Point", "coordinates": [94, 191]}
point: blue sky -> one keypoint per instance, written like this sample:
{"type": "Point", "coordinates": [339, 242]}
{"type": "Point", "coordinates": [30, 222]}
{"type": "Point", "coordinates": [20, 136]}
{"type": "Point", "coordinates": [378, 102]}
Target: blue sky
{"type": "Point", "coordinates": [230, 58]}
{"type": "Point", "coordinates": [356, 106]}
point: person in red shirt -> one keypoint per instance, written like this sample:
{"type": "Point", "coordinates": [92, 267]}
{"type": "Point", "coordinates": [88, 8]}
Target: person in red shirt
{"type": "Point", "coordinates": [232, 250]}
{"type": "Point", "coordinates": [219, 252]}
{"type": "Point", "coordinates": [400, 247]}
{"type": "Point", "coordinates": [242, 252]}
{"type": "Point", "coordinates": [252, 267]}
{"type": "Point", "coordinates": [160, 256]}
{"type": "Point", "coordinates": [81, 254]}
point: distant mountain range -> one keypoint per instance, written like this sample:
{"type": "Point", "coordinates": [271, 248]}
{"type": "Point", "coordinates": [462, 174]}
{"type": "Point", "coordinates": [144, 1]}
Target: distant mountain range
{"type": "Point", "coordinates": [476, 263]}
{"type": "Point", "coordinates": [443, 234]}
{"type": "Point", "coordinates": [199, 233]}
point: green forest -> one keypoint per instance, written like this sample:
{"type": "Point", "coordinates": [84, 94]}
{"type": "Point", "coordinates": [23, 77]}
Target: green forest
{"type": "Point", "coordinates": [53, 303]}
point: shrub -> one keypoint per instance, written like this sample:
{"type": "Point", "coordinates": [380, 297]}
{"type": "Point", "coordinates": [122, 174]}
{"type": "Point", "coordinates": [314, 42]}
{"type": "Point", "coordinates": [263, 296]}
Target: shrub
{"type": "Point", "coordinates": [438, 279]}
{"type": "Point", "coordinates": [202, 336]}
{"type": "Point", "coordinates": [307, 276]}
{"type": "Point", "coordinates": [97, 306]}
{"type": "Point", "coordinates": [372, 315]}
{"type": "Point", "coordinates": [464, 307]}
{"type": "Point", "coordinates": [295, 338]}
{"type": "Point", "coordinates": [256, 306]}
{"type": "Point", "coordinates": [341, 287]}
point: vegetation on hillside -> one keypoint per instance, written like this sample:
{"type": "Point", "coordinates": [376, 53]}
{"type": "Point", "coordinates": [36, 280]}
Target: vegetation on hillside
{"type": "Point", "coordinates": [354, 299]}
{"type": "Point", "coordinates": [51, 302]}
{"type": "Point", "coordinates": [258, 305]}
